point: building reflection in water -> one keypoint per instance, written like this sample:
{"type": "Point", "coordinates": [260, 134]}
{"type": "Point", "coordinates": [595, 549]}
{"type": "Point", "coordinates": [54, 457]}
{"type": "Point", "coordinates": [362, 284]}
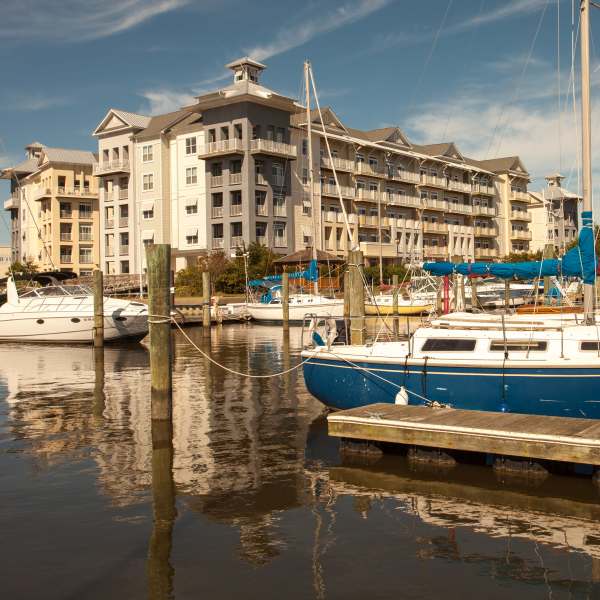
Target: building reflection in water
{"type": "Point", "coordinates": [245, 452]}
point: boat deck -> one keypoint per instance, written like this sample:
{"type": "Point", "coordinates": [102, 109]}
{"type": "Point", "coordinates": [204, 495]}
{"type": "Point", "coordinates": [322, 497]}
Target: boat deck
{"type": "Point", "coordinates": [508, 434]}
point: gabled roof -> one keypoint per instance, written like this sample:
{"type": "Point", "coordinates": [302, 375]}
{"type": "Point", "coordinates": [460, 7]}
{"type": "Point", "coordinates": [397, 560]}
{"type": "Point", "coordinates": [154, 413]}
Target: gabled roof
{"type": "Point", "coordinates": [159, 124]}
{"type": "Point", "coordinates": [117, 120]}
{"type": "Point", "coordinates": [330, 119]}
{"type": "Point", "coordinates": [25, 167]}
{"type": "Point", "coordinates": [66, 155]}
{"type": "Point", "coordinates": [387, 134]}
{"type": "Point", "coordinates": [192, 122]}
{"type": "Point", "coordinates": [504, 164]}
{"type": "Point", "coordinates": [444, 150]}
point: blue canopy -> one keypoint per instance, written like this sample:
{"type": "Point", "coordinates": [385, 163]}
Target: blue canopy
{"type": "Point", "coordinates": [580, 261]}
{"type": "Point", "coordinates": [311, 274]}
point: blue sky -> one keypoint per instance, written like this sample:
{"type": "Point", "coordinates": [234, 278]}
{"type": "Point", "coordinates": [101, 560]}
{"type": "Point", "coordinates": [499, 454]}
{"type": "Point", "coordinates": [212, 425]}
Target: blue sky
{"type": "Point", "coordinates": [482, 73]}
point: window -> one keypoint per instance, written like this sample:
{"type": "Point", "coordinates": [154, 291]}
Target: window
{"type": "Point", "coordinates": [304, 176]}
{"type": "Point", "coordinates": [191, 239]}
{"type": "Point", "coordinates": [191, 207]}
{"type": "Point", "coordinates": [124, 266]}
{"type": "Point", "coordinates": [190, 145]}
{"type": "Point", "coordinates": [148, 182]}
{"type": "Point", "coordinates": [256, 132]}
{"type": "Point", "coordinates": [279, 234]}
{"type": "Point", "coordinates": [277, 170]}
{"type": "Point", "coordinates": [217, 230]}
{"type": "Point", "coordinates": [85, 233]}
{"type": "Point", "coordinates": [260, 198]}
{"type": "Point", "coordinates": [212, 136]}
{"type": "Point", "coordinates": [225, 132]}
{"type": "Point", "coordinates": [191, 175]}
{"type": "Point", "coordinates": [304, 147]}
{"type": "Point", "coordinates": [85, 211]}
{"type": "Point", "coordinates": [517, 346]}
{"type": "Point", "coordinates": [147, 153]}
{"type": "Point", "coordinates": [235, 201]}
{"type": "Point", "coordinates": [148, 212]}
{"type": "Point", "coordinates": [235, 166]}
{"type": "Point", "coordinates": [448, 345]}
{"type": "Point", "coordinates": [65, 210]}
{"type": "Point", "coordinates": [216, 169]}
{"type": "Point", "coordinates": [279, 209]}
{"type": "Point", "coordinates": [85, 255]}
{"type": "Point", "coordinates": [590, 346]}
{"type": "Point", "coordinates": [237, 131]}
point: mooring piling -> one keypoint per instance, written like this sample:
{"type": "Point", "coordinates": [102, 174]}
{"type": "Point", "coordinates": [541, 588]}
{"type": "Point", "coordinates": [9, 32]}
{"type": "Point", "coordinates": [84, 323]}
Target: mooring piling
{"type": "Point", "coordinates": [507, 294]}
{"type": "Point", "coordinates": [206, 299]}
{"type": "Point", "coordinates": [158, 258]}
{"type": "Point", "coordinates": [357, 298]}
{"type": "Point", "coordinates": [98, 309]}
{"type": "Point", "coordinates": [395, 304]}
{"type": "Point", "coordinates": [285, 299]}
{"type": "Point", "coordinates": [346, 295]}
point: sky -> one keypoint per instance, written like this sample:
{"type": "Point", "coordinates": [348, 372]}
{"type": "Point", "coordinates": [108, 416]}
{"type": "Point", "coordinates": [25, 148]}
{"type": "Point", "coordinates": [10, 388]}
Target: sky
{"type": "Point", "coordinates": [494, 76]}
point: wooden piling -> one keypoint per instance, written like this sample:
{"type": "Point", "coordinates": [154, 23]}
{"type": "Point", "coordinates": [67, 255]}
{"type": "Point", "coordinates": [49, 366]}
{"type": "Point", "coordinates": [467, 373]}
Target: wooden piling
{"type": "Point", "coordinates": [285, 299]}
{"type": "Point", "coordinates": [395, 304]}
{"type": "Point", "coordinates": [346, 295]}
{"type": "Point", "coordinates": [357, 298]}
{"type": "Point", "coordinates": [507, 294]}
{"type": "Point", "coordinates": [158, 258]}
{"type": "Point", "coordinates": [547, 253]}
{"type": "Point", "coordinates": [98, 309]}
{"type": "Point", "coordinates": [474, 301]}
{"type": "Point", "coordinates": [206, 299]}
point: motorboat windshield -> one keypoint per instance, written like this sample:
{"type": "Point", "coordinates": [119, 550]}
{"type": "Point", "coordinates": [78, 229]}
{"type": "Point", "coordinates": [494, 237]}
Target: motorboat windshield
{"type": "Point", "coordinates": [58, 291]}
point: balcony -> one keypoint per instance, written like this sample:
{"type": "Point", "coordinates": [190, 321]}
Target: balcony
{"type": "Point", "coordinates": [216, 180]}
{"type": "Point", "coordinates": [66, 214]}
{"type": "Point", "coordinates": [520, 215]}
{"type": "Point", "coordinates": [435, 251]}
{"type": "Point", "coordinates": [480, 188]}
{"type": "Point", "coordinates": [273, 148]}
{"type": "Point", "coordinates": [261, 179]}
{"type": "Point", "coordinates": [396, 199]}
{"type": "Point", "coordinates": [85, 215]}
{"type": "Point", "coordinates": [280, 241]}
{"type": "Point", "coordinates": [65, 237]}
{"type": "Point", "coordinates": [11, 202]}
{"type": "Point", "coordinates": [430, 204]}
{"type": "Point", "coordinates": [109, 224]}
{"type": "Point", "coordinates": [340, 164]}
{"type": "Point", "coordinates": [327, 189]}
{"type": "Point", "coordinates": [485, 252]}
{"type": "Point", "coordinates": [85, 237]}
{"type": "Point", "coordinates": [368, 220]}
{"type": "Point", "coordinates": [520, 234]}
{"type": "Point", "coordinates": [262, 210]}
{"type": "Point", "coordinates": [405, 176]}
{"type": "Point", "coordinates": [124, 222]}
{"type": "Point", "coordinates": [261, 239]}
{"type": "Point", "coordinates": [42, 193]}
{"type": "Point", "coordinates": [124, 249]}
{"type": "Point", "coordinates": [485, 231]}
{"type": "Point", "coordinates": [66, 258]}
{"type": "Point", "coordinates": [218, 243]}
{"type": "Point", "coordinates": [85, 259]}
{"type": "Point", "coordinates": [406, 224]}
{"type": "Point", "coordinates": [459, 186]}
{"type": "Point", "coordinates": [123, 194]}
{"type": "Point", "coordinates": [479, 209]}
{"type": "Point", "coordinates": [429, 227]}
{"type": "Point", "coordinates": [369, 195]}
{"type": "Point", "coordinates": [110, 252]}
{"type": "Point", "coordinates": [373, 249]}
{"type": "Point", "coordinates": [279, 211]}
{"type": "Point", "coordinates": [235, 210]}
{"type": "Point", "coordinates": [363, 168]}
{"type": "Point", "coordinates": [216, 212]}
{"type": "Point", "coordinates": [112, 166]}
{"type": "Point", "coordinates": [465, 209]}
{"type": "Point", "coordinates": [235, 178]}
{"type": "Point", "coordinates": [237, 241]}
{"type": "Point", "coordinates": [221, 148]}
{"type": "Point", "coordinates": [433, 181]}
{"type": "Point", "coordinates": [519, 196]}
{"type": "Point", "coordinates": [76, 192]}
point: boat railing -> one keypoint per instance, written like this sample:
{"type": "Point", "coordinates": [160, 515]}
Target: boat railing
{"type": "Point", "coordinates": [49, 304]}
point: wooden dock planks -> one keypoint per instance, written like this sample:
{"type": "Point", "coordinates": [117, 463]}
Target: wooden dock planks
{"type": "Point", "coordinates": [527, 436]}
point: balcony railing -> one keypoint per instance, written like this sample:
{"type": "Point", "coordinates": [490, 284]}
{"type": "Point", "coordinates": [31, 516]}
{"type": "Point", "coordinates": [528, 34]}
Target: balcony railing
{"type": "Point", "coordinates": [232, 146]}
{"type": "Point", "coordinates": [65, 237]}
{"type": "Point", "coordinates": [434, 181]}
{"type": "Point", "coordinates": [11, 202]}
{"type": "Point", "coordinates": [332, 190]}
{"type": "Point", "coordinates": [237, 241]}
{"type": "Point", "coordinates": [235, 178]}
{"type": "Point", "coordinates": [340, 164]}
{"type": "Point", "coordinates": [520, 196]}
{"type": "Point", "coordinates": [216, 180]}
{"type": "Point", "coordinates": [66, 258]}
{"type": "Point", "coordinates": [110, 252]}
{"type": "Point", "coordinates": [520, 234]}
{"type": "Point", "coordinates": [409, 224]}
{"type": "Point", "coordinates": [480, 188]}
{"type": "Point", "coordinates": [218, 243]}
{"type": "Point", "coordinates": [280, 241]}
{"type": "Point", "coordinates": [262, 210]}
{"type": "Point", "coordinates": [261, 179]}
{"type": "Point", "coordinates": [85, 237]}
{"type": "Point", "coordinates": [66, 214]}
{"type": "Point", "coordinates": [109, 223]}
{"type": "Point", "coordinates": [124, 249]}
{"type": "Point", "coordinates": [397, 199]}
{"type": "Point", "coordinates": [111, 166]}
{"type": "Point", "coordinates": [77, 191]}
{"type": "Point", "coordinates": [279, 211]}
{"type": "Point", "coordinates": [485, 252]}
{"type": "Point", "coordinates": [520, 215]}
{"type": "Point", "coordinates": [261, 239]}
{"type": "Point", "coordinates": [372, 195]}
{"type": "Point", "coordinates": [434, 204]}
{"type": "Point", "coordinates": [485, 231]}
{"type": "Point", "coordinates": [375, 249]}
{"type": "Point", "coordinates": [123, 194]}
{"type": "Point", "coordinates": [124, 222]}
{"type": "Point", "coordinates": [363, 168]}
{"type": "Point", "coordinates": [403, 175]}
{"type": "Point", "coordinates": [235, 210]}
{"type": "Point", "coordinates": [435, 251]}
{"type": "Point", "coordinates": [85, 259]}
{"type": "Point", "coordinates": [479, 209]}
{"type": "Point", "coordinates": [429, 227]}
{"type": "Point", "coordinates": [262, 146]}
{"type": "Point", "coordinates": [368, 220]}
{"type": "Point", "coordinates": [216, 212]}
{"type": "Point", "coordinates": [459, 186]}
{"type": "Point", "coordinates": [466, 209]}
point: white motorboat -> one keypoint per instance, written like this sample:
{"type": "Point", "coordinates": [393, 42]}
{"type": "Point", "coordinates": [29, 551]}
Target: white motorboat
{"type": "Point", "coordinates": [299, 304]}
{"type": "Point", "coordinates": [65, 313]}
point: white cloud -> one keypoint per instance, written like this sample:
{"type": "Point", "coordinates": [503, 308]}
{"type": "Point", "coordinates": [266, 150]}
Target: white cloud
{"type": "Point", "coordinates": [163, 101]}
{"type": "Point", "coordinates": [32, 102]}
{"type": "Point", "coordinates": [77, 20]}
{"type": "Point", "coordinates": [299, 34]}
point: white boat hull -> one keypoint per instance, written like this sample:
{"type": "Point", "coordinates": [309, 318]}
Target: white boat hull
{"type": "Point", "coordinates": [274, 312]}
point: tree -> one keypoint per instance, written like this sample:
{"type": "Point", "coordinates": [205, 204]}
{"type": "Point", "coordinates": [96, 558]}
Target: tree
{"type": "Point", "coordinates": [24, 269]}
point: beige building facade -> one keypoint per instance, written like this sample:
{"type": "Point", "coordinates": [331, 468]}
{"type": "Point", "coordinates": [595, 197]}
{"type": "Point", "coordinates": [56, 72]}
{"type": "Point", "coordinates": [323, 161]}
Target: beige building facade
{"type": "Point", "coordinates": [54, 209]}
{"type": "Point", "coordinates": [5, 259]}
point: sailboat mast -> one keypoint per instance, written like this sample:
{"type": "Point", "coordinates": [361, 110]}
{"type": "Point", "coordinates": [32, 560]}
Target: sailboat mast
{"type": "Point", "coordinates": [311, 177]}
{"type": "Point", "coordinates": [586, 138]}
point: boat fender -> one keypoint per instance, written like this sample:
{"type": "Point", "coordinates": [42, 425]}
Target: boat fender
{"type": "Point", "coordinates": [401, 396]}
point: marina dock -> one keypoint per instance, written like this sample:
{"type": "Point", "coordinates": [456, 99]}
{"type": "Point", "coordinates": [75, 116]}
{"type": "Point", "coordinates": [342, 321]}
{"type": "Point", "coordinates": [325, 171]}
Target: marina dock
{"type": "Point", "coordinates": [563, 439]}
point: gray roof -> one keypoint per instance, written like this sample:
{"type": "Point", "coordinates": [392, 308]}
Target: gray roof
{"type": "Point", "coordinates": [498, 165]}
{"type": "Point", "coordinates": [193, 122]}
{"type": "Point", "coordinates": [29, 165]}
{"type": "Point", "coordinates": [159, 123]}
{"type": "Point", "coordinates": [134, 119]}
{"type": "Point", "coordinates": [66, 155]}
{"type": "Point", "coordinates": [245, 60]}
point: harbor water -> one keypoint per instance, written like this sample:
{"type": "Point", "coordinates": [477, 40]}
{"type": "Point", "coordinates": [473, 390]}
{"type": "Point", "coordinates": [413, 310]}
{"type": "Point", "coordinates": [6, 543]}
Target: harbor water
{"type": "Point", "coordinates": [252, 499]}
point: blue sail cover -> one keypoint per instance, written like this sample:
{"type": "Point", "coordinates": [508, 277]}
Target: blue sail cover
{"type": "Point", "coordinates": [311, 274]}
{"type": "Point", "coordinates": [580, 261]}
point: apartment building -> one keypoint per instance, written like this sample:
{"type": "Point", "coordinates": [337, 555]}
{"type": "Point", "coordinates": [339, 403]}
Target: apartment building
{"type": "Point", "coordinates": [554, 218]}
{"type": "Point", "coordinates": [152, 187]}
{"type": "Point", "coordinates": [54, 209]}
{"type": "Point", "coordinates": [248, 160]}
{"type": "Point", "coordinates": [5, 259]}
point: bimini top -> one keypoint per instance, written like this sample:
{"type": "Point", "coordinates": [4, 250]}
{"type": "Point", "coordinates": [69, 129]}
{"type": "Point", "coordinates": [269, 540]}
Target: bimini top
{"type": "Point", "coordinates": [311, 274]}
{"type": "Point", "coordinates": [580, 261]}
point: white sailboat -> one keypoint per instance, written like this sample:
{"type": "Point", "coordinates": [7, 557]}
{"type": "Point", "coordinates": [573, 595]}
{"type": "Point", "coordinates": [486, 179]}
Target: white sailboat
{"type": "Point", "coordinates": [65, 313]}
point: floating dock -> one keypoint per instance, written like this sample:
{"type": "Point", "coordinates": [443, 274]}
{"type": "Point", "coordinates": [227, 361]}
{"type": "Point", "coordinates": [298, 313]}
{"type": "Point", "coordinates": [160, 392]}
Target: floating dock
{"type": "Point", "coordinates": [563, 439]}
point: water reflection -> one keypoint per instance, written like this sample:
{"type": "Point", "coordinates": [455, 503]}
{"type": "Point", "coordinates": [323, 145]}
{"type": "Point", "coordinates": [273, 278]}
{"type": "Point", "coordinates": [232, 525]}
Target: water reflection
{"type": "Point", "coordinates": [248, 466]}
